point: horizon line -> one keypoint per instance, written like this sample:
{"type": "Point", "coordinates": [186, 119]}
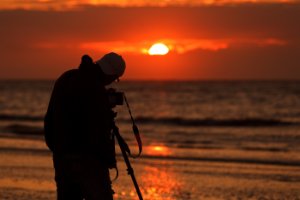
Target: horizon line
{"type": "Point", "coordinates": [169, 80]}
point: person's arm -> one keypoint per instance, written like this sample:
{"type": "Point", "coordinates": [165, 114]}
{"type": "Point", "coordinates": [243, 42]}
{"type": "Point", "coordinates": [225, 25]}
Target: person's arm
{"type": "Point", "coordinates": [101, 118]}
{"type": "Point", "coordinates": [48, 125]}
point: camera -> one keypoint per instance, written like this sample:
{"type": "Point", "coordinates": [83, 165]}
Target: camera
{"type": "Point", "coordinates": [115, 98]}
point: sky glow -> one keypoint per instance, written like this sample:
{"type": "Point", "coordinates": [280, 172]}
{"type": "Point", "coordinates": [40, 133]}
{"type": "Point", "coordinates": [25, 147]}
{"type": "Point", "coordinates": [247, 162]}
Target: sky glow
{"type": "Point", "coordinates": [206, 39]}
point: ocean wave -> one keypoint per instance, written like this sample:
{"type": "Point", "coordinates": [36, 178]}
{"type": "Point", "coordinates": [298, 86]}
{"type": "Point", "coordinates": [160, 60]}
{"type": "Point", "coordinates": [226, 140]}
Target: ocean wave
{"type": "Point", "coordinates": [21, 117]}
{"type": "Point", "coordinates": [180, 158]}
{"type": "Point", "coordinates": [246, 122]}
{"type": "Point", "coordinates": [24, 129]}
{"type": "Point", "coordinates": [228, 160]}
{"type": "Point", "coordinates": [250, 122]}
{"type": "Point", "coordinates": [37, 130]}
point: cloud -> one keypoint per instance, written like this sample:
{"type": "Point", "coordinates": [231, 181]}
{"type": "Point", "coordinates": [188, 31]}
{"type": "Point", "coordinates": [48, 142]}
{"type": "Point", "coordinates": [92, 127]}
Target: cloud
{"type": "Point", "coordinates": [62, 5]}
{"type": "Point", "coordinates": [178, 46]}
{"type": "Point", "coordinates": [122, 24]}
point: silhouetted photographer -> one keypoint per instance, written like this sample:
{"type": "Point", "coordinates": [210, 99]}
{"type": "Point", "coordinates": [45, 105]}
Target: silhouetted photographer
{"type": "Point", "coordinates": [79, 128]}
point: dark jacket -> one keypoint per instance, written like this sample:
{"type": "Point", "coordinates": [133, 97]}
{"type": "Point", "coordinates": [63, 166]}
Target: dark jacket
{"type": "Point", "coordinates": [78, 119]}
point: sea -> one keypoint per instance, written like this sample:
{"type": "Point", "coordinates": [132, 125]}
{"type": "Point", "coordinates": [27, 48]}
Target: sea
{"type": "Point", "coordinates": [201, 140]}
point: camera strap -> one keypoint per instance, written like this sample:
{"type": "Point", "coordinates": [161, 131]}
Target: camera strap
{"type": "Point", "coordinates": [135, 131]}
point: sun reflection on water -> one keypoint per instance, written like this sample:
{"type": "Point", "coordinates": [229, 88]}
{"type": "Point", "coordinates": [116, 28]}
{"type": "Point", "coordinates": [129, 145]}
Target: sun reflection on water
{"type": "Point", "coordinates": [159, 184]}
{"type": "Point", "coordinates": [158, 150]}
{"type": "Point", "coordinates": [156, 183]}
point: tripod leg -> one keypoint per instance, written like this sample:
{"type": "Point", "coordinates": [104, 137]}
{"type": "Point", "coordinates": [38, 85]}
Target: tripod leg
{"type": "Point", "coordinates": [126, 159]}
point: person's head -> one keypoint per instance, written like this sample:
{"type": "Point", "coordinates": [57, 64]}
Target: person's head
{"type": "Point", "coordinates": [112, 65]}
{"type": "Point", "coordinates": [86, 61]}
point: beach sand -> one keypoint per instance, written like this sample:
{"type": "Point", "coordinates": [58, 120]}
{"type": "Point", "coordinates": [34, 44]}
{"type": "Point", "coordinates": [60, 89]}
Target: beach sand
{"type": "Point", "coordinates": [27, 173]}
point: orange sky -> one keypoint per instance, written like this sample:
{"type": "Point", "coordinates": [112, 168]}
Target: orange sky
{"type": "Point", "coordinates": [227, 39]}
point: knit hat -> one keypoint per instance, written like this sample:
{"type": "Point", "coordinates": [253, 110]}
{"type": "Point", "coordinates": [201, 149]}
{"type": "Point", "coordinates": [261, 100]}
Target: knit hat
{"type": "Point", "coordinates": [112, 64]}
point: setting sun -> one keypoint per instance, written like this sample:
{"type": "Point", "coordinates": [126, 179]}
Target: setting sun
{"type": "Point", "coordinates": [158, 49]}
{"type": "Point", "coordinates": [158, 150]}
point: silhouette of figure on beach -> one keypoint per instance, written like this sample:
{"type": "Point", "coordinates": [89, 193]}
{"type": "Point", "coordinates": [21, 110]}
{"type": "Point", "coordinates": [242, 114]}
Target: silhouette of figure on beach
{"type": "Point", "coordinates": [78, 129]}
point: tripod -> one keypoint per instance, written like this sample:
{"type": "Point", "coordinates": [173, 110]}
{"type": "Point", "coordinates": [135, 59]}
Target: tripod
{"type": "Point", "coordinates": [125, 149]}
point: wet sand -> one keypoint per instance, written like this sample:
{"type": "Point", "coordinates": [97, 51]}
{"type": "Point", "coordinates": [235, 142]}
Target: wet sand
{"type": "Point", "coordinates": [29, 175]}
